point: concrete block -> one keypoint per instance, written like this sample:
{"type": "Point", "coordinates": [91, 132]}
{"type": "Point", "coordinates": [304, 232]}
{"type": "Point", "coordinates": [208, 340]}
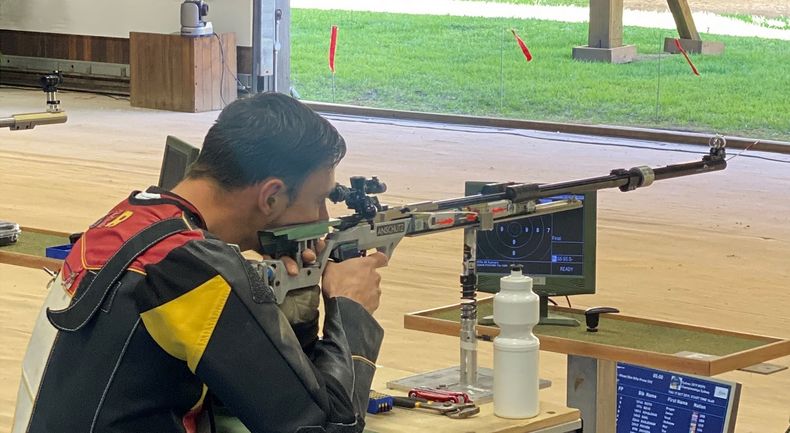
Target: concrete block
{"type": "Point", "coordinates": [623, 54]}
{"type": "Point", "coordinates": [694, 46]}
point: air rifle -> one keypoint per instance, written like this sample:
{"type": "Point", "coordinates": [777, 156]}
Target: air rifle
{"type": "Point", "coordinates": [377, 226]}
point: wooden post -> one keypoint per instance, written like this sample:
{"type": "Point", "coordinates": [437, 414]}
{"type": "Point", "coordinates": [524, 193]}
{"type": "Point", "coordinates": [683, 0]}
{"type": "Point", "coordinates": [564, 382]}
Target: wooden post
{"type": "Point", "coordinates": [606, 24]}
{"type": "Point", "coordinates": [606, 398]}
{"type": "Point", "coordinates": [683, 19]}
{"type": "Point", "coordinates": [605, 38]}
{"type": "Point", "coordinates": [592, 388]}
{"type": "Point", "coordinates": [687, 30]}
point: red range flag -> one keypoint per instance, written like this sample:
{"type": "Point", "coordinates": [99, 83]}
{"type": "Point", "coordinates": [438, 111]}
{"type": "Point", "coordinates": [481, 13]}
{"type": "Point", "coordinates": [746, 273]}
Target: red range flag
{"type": "Point", "coordinates": [680, 48]}
{"type": "Point", "coordinates": [523, 46]}
{"type": "Point", "coordinates": [332, 47]}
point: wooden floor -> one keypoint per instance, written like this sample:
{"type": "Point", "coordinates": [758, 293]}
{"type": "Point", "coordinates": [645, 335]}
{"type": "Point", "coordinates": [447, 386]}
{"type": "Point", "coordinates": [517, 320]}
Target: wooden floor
{"type": "Point", "coordinates": [711, 250]}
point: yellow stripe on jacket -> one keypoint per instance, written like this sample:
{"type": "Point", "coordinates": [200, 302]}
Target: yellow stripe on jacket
{"type": "Point", "coordinates": [183, 326]}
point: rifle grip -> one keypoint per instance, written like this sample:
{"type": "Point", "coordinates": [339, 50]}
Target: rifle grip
{"type": "Point", "coordinates": [345, 251]}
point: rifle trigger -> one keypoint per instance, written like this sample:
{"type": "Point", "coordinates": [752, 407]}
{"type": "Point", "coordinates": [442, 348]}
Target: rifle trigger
{"type": "Point", "coordinates": [346, 251]}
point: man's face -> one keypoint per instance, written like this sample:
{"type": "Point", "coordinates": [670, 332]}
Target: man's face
{"type": "Point", "coordinates": [309, 205]}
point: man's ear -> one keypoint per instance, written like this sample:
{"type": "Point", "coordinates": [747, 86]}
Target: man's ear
{"type": "Point", "coordinates": [272, 196]}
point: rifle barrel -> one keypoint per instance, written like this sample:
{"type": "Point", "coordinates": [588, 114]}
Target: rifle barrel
{"type": "Point", "coordinates": [626, 180]}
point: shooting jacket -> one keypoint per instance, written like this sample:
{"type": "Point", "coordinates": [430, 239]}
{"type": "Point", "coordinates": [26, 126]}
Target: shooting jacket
{"type": "Point", "coordinates": [189, 315]}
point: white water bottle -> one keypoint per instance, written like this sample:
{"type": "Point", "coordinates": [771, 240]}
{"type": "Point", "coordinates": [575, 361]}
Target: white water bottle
{"type": "Point", "coordinates": [516, 380]}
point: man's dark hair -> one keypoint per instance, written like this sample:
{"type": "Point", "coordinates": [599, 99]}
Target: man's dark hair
{"type": "Point", "coordinates": [267, 135]}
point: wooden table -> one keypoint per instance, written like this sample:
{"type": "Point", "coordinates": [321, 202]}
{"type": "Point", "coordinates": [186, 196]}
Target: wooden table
{"type": "Point", "coordinates": [553, 417]}
{"type": "Point", "coordinates": [593, 357]}
{"type": "Point", "coordinates": [623, 338]}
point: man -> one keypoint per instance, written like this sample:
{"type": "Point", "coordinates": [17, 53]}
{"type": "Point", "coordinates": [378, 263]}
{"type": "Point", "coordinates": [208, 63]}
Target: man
{"type": "Point", "coordinates": [139, 353]}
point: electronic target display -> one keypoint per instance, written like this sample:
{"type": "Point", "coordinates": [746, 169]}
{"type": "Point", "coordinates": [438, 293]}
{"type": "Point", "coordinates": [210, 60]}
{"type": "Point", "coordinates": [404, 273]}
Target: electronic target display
{"type": "Point", "coordinates": [544, 245]}
{"type": "Point", "coordinates": [557, 250]}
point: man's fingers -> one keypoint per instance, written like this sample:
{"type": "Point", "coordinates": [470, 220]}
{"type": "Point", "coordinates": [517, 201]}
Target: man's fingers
{"type": "Point", "coordinates": [379, 259]}
{"type": "Point", "coordinates": [309, 256]}
{"type": "Point", "coordinates": [290, 265]}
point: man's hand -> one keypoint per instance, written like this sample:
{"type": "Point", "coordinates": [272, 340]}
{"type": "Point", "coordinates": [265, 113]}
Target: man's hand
{"type": "Point", "coordinates": [308, 257]}
{"type": "Point", "coordinates": [301, 306]}
{"type": "Point", "coordinates": [357, 279]}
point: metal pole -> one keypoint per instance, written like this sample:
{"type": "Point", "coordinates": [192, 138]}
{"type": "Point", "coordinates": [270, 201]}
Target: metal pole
{"type": "Point", "coordinates": [257, 46]}
{"type": "Point", "coordinates": [502, 73]}
{"type": "Point", "coordinates": [278, 15]}
{"type": "Point", "coordinates": [270, 45]}
{"type": "Point", "coordinates": [333, 87]}
{"type": "Point", "coordinates": [658, 82]}
{"type": "Point", "coordinates": [469, 311]}
{"type": "Point", "coordinates": [284, 47]}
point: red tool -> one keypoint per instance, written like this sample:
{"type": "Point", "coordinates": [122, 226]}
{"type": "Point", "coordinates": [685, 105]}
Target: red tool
{"type": "Point", "coordinates": [440, 395]}
{"type": "Point", "coordinates": [449, 409]}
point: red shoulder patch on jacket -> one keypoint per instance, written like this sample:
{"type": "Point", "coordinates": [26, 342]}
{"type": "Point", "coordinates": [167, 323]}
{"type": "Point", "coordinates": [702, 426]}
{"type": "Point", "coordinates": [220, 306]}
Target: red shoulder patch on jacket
{"type": "Point", "coordinates": [107, 235]}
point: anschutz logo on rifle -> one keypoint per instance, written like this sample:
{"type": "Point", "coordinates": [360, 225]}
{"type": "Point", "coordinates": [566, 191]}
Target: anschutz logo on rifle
{"type": "Point", "coordinates": [390, 229]}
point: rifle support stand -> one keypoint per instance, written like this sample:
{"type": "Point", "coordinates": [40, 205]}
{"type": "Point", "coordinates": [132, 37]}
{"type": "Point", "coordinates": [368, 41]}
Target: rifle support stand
{"type": "Point", "coordinates": [478, 383]}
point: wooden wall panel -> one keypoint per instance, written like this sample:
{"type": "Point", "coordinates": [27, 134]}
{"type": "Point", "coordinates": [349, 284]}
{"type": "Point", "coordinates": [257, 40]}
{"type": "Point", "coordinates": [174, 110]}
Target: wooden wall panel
{"type": "Point", "coordinates": [117, 50]}
{"type": "Point", "coordinates": [88, 48]}
{"type": "Point", "coordinates": [62, 46]}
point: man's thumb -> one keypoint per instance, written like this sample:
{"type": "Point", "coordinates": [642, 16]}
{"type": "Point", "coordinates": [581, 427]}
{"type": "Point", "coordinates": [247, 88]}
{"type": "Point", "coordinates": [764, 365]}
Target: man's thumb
{"type": "Point", "coordinates": [379, 259]}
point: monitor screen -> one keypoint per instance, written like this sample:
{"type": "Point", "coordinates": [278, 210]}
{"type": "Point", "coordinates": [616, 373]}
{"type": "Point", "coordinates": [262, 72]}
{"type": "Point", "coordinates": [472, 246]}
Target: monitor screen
{"type": "Point", "coordinates": [557, 250]}
{"type": "Point", "coordinates": [179, 155]}
{"type": "Point", "coordinates": [657, 401]}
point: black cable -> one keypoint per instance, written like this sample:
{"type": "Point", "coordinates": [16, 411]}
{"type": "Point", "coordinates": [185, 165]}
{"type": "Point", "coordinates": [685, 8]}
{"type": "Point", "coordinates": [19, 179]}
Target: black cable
{"type": "Point", "coordinates": [568, 298]}
{"type": "Point", "coordinates": [222, 69]}
{"type": "Point", "coordinates": [479, 130]}
{"type": "Point", "coordinates": [744, 150]}
{"type": "Point", "coordinates": [225, 66]}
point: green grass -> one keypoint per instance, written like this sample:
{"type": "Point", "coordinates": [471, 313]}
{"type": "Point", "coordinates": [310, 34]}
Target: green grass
{"type": "Point", "coordinates": [452, 65]}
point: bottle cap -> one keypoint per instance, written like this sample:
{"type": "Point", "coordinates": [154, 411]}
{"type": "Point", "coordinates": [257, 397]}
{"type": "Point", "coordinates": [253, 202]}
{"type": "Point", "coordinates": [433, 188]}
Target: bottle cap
{"type": "Point", "coordinates": [516, 280]}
